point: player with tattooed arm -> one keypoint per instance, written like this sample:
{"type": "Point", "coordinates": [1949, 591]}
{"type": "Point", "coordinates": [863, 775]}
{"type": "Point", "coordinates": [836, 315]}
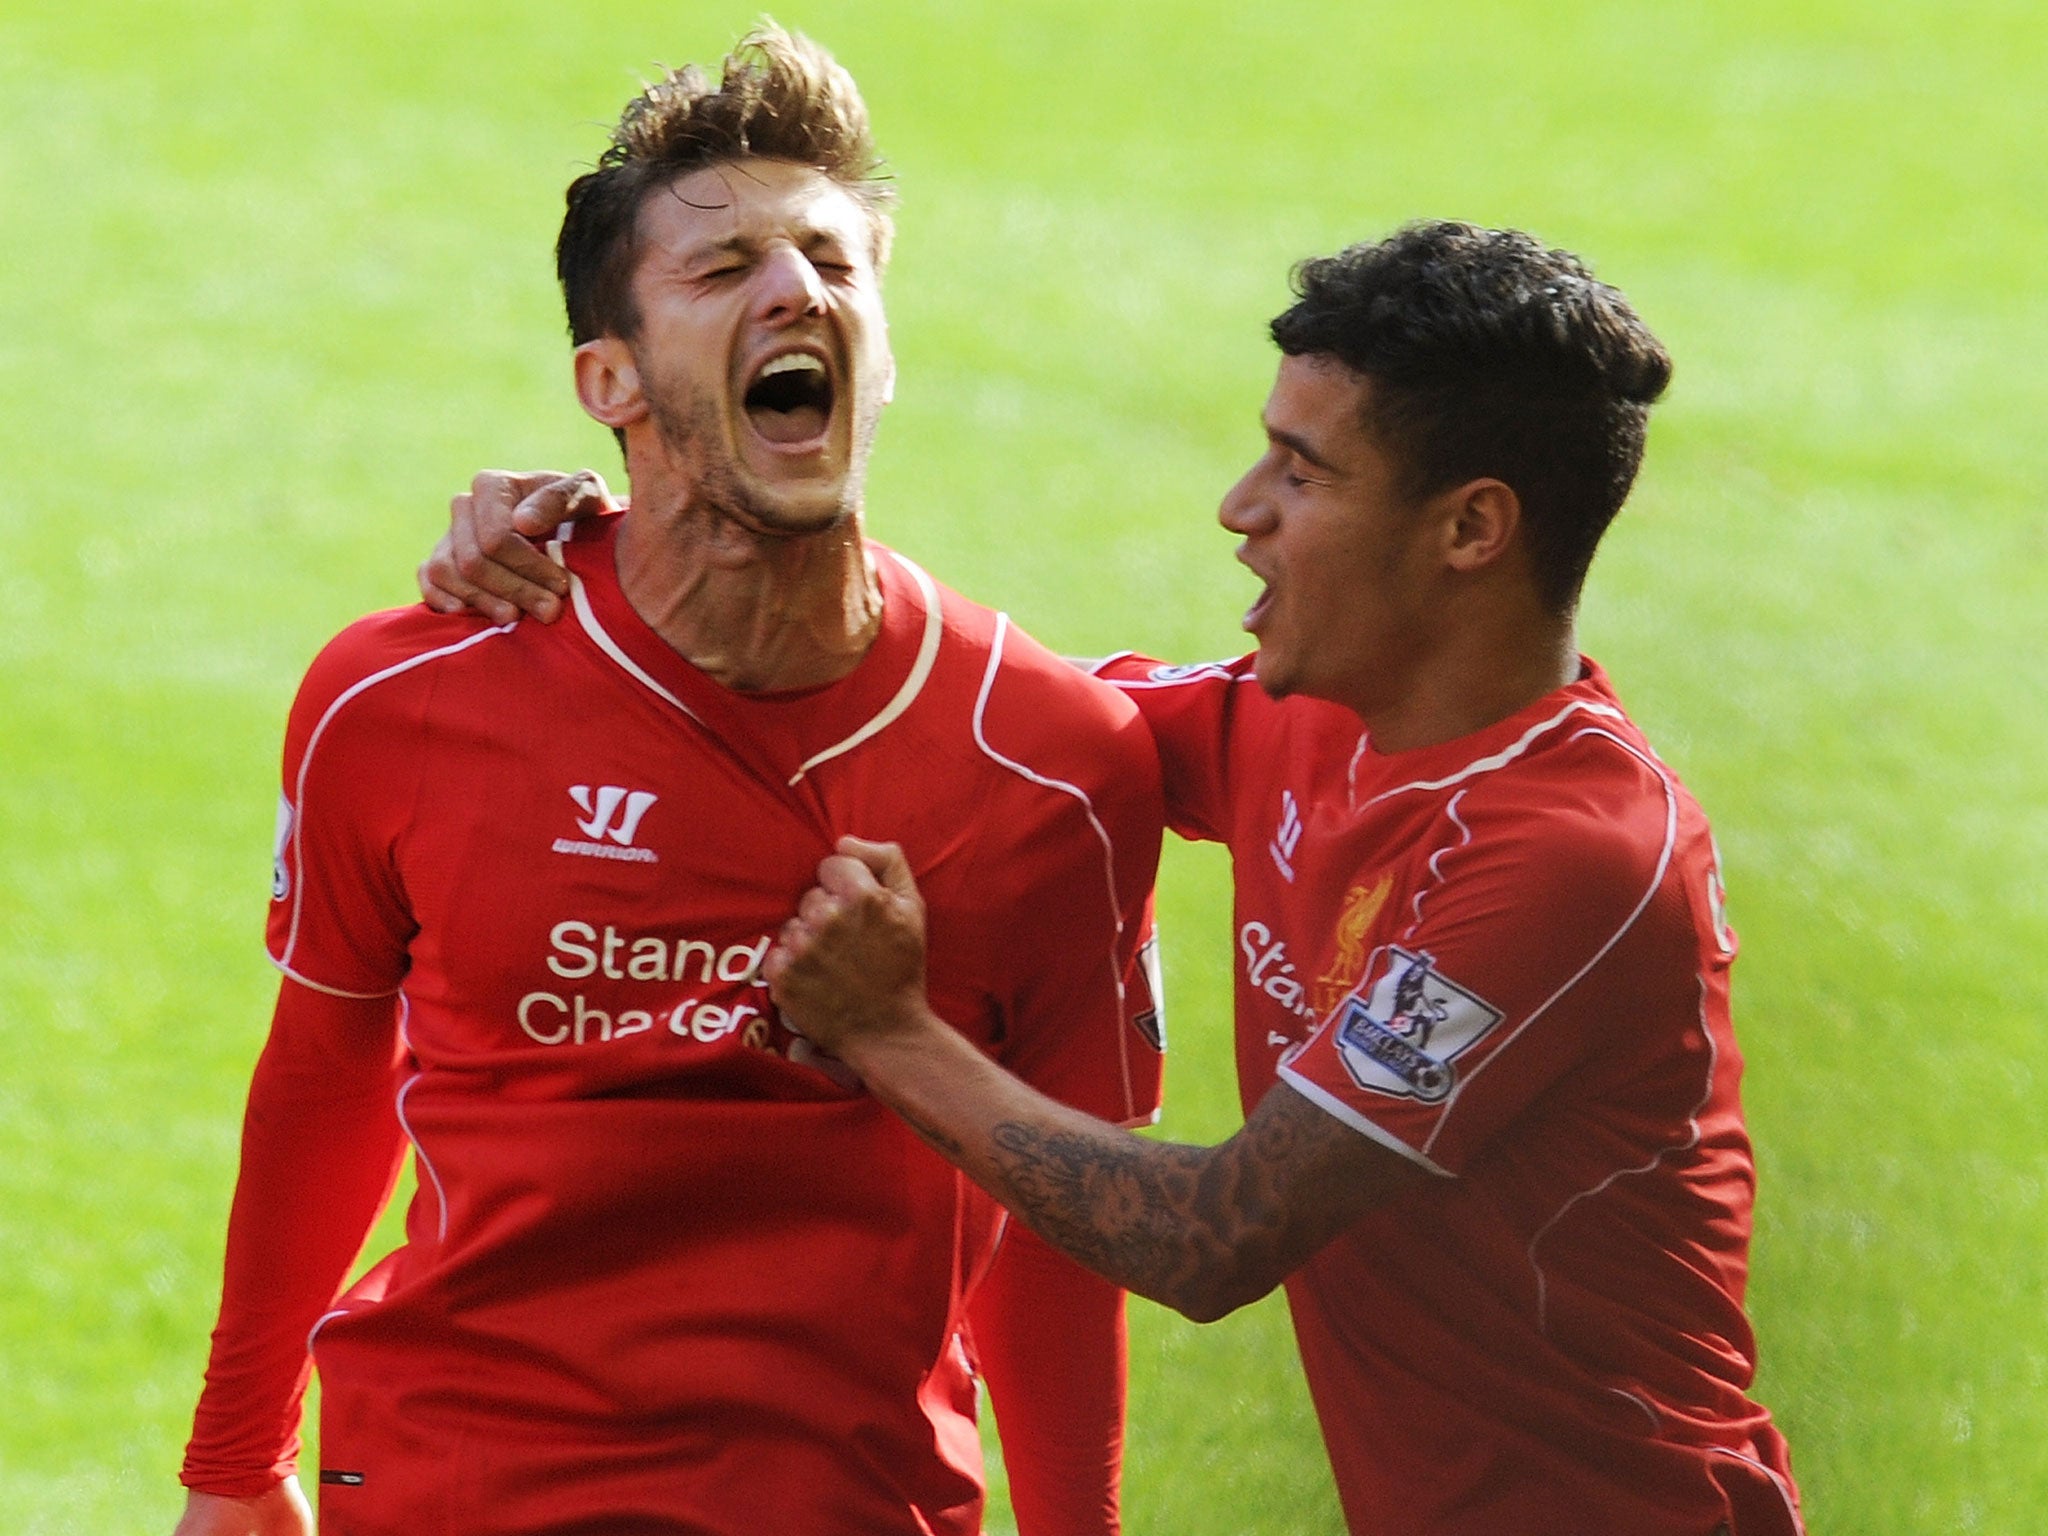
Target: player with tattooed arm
{"type": "Point", "coordinates": [1494, 1146]}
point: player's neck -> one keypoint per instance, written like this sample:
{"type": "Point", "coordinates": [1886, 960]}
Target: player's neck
{"type": "Point", "coordinates": [754, 612]}
{"type": "Point", "coordinates": [1476, 679]}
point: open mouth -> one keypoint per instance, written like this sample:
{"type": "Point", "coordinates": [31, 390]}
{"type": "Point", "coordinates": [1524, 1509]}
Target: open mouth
{"type": "Point", "coordinates": [1262, 605]}
{"type": "Point", "coordinates": [790, 399]}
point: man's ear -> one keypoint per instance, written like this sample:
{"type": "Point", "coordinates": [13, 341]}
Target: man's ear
{"type": "Point", "coordinates": [1480, 522]}
{"type": "Point", "coordinates": [608, 382]}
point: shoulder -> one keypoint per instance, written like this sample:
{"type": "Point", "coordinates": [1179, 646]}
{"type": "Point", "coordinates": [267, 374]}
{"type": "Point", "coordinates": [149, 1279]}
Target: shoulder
{"type": "Point", "coordinates": [1033, 695]}
{"type": "Point", "coordinates": [1167, 693]}
{"type": "Point", "coordinates": [1041, 709]}
{"type": "Point", "coordinates": [1044, 727]}
{"type": "Point", "coordinates": [1140, 676]}
{"type": "Point", "coordinates": [1223, 696]}
{"type": "Point", "coordinates": [1586, 811]}
{"type": "Point", "coordinates": [1030, 670]}
{"type": "Point", "coordinates": [384, 656]}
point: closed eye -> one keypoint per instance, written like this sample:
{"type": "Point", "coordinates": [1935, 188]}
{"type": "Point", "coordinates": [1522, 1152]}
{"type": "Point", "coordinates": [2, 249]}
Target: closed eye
{"type": "Point", "coordinates": [828, 256]}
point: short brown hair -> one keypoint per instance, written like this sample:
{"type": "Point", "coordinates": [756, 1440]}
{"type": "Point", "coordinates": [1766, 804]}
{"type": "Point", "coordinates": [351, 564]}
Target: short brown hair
{"type": "Point", "coordinates": [780, 97]}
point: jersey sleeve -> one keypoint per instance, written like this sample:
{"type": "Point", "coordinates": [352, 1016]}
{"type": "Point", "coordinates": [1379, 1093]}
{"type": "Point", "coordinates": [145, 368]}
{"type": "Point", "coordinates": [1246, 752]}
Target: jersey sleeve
{"type": "Point", "coordinates": [339, 920]}
{"type": "Point", "coordinates": [1191, 712]}
{"type": "Point", "coordinates": [1068, 867]}
{"type": "Point", "coordinates": [320, 1150]}
{"type": "Point", "coordinates": [1545, 932]}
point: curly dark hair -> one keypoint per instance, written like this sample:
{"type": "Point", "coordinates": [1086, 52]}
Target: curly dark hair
{"type": "Point", "coordinates": [780, 97]}
{"type": "Point", "coordinates": [1491, 355]}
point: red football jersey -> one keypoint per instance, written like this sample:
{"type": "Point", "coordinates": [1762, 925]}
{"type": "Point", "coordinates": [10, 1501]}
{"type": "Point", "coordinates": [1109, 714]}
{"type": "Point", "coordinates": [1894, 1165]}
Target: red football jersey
{"type": "Point", "coordinates": [1505, 957]}
{"type": "Point", "coordinates": [666, 1268]}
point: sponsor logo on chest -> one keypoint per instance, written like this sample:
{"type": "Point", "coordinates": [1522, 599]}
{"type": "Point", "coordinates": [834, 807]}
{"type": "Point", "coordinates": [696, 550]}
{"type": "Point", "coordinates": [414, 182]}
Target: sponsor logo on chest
{"type": "Point", "coordinates": [609, 819]}
{"type": "Point", "coordinates": [1270, 969]}
{"type": "Point", "coordinates": [1402, 1034]}
{"type": "Point", "coordinates": [725, 996]}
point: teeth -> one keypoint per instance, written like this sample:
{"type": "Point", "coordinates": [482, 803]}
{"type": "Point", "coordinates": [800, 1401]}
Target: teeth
{"type": "Point", "coordinates": [792, 362]}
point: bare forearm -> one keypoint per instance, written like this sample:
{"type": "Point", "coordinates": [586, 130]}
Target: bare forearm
{"type": "Point", "coordinates": [1195, 1228]}
{"type": "Point", "coordinates": [1202, 1229]}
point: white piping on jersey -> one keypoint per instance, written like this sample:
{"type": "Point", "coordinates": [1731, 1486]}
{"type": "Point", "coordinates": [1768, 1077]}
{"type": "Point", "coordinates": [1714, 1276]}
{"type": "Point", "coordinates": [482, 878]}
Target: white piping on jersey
{"type": "Point", "coordinates": [988, 681]}
{"type": "Point", "coordinates": [1656, 879]}
{"type": "Point", "coordinates": [1209, 672]}
{"type": "Point", "coordinates": [1480, 765]}
{"type": "Point", "coordinates": [1351, 768]}
{"type": "Point", "coordinates": [405, 1122]}
{"type": "Point", "coordinates": [420, 1156]}
{"type": "Point", "coordinates": [419, 1153]}
{"type": "Point", "coordinates": [921, 669]}
{"type": "Point", "coordinates": [1320, 1096]}
{"type": "Point", "coordinates": [1777, 1482]}
{"type": "Point", "coordinates": [1685, 1144]}
{"type": "Point", "coordinates": [321, 1322]}
{"type": "Point", "coordinates": [282, 962]}
{"type": "Point", "coordinates": [312, 985]}
{"type": "Point", "coordinates": [1436, 870]}
{"type": "Point", "coordinates": [1691, 1137]}
{"type": "Point", "coordinates": [588, 619]}
{"type": "Point", "coordinates": [1649, 1412]}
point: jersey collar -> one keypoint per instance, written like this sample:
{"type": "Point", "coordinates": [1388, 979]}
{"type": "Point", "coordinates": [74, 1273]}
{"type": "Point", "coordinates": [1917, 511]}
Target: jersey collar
{"type": "Point", "coordinates": [798, 730]}
{"type": "Point", "coordinates": [1589, 697]}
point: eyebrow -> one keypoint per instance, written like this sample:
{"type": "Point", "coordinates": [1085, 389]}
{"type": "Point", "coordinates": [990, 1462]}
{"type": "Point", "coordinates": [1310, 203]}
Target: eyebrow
{"type": "Point", "coordinates": [1296, 444]}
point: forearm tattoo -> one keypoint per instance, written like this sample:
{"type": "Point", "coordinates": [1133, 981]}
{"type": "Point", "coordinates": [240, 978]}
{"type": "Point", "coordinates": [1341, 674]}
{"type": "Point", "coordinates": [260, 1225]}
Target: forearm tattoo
{"type": "Point", "coordinates": [1188, 1226]}
{"type": "Point", "coordinates": [945, 1145]}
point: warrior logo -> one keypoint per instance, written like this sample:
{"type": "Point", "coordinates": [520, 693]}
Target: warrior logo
{"type": "Point", "coordinates": [610, 822]}
{"type": "Point", "coordinates": [609, 799]}
{"type": "Point", "coordinates": [1287, 836]}
{"type": "Point", "coordinates": [1405, 1034]}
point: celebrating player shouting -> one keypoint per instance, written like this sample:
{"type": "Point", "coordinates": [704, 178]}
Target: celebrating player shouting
{"type": "Point", "coordinates": [1494, 1145]}
{"type": "Point", "coordinates": [668, 1270]}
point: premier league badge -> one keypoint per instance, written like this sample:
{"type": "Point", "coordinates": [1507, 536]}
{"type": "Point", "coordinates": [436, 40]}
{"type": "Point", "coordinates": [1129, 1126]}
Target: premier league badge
{"type": "Point", "coordinates": [1403, 1032]}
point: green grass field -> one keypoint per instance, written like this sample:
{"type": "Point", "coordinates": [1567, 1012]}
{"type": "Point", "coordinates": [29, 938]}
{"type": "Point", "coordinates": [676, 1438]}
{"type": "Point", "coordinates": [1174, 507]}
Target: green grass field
{"type": "Point", "coordinates": [277, 280]}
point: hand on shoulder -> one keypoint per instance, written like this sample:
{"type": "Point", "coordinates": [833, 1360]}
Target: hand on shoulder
{"type": "Point", "coordinates": [486, 561]}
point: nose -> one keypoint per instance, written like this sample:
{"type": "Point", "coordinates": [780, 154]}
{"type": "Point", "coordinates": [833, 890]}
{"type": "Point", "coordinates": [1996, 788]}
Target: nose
{"type": "Point", "coordinates": [788, 287]}
{"type": "Point", "coordinates": [1243, 509]}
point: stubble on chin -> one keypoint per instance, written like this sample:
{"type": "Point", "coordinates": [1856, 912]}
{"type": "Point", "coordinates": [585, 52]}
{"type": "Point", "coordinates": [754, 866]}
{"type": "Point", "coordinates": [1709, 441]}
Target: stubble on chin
{"type": "Point", "coordinates": [719, 492]}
